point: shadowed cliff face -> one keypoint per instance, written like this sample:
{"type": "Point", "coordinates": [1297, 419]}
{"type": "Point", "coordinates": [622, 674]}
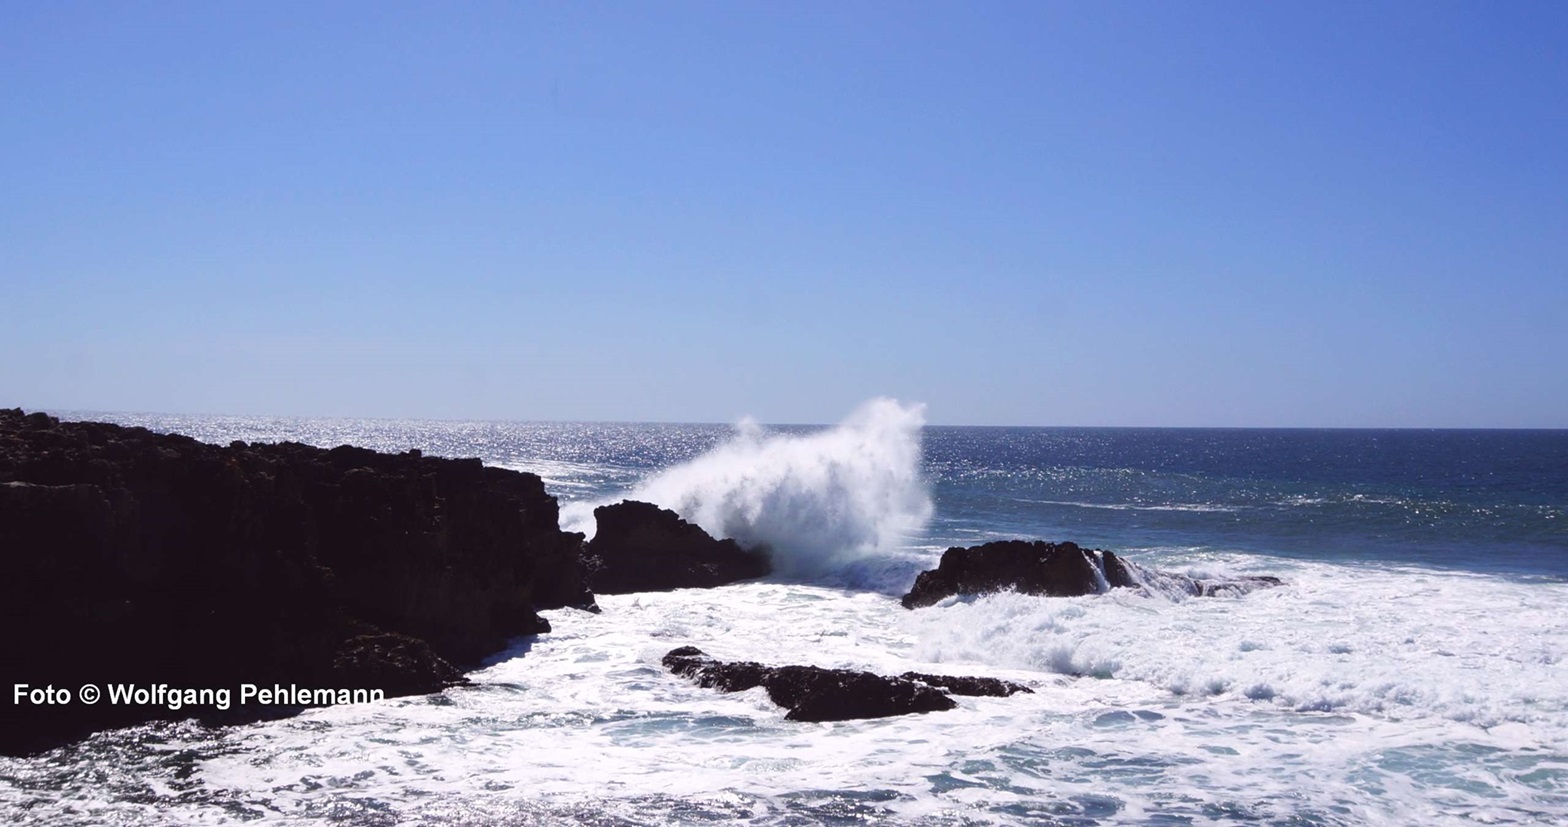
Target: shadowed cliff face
{"type": "Point", "coordinates": [640, 547]}
{"type": "Point", "coordinates": [133, 557]}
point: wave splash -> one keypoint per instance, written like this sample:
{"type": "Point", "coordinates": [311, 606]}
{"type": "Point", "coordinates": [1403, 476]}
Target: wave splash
{"type": "Point", "coordinates": [820, 500]}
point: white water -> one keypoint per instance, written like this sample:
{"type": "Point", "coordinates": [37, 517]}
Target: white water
{"type": "Point", "coordinates": [1353, 695]}
{"type": "Point", "coordinates": [819, 500]}
{"type": "Point", "coordinates": [1350, 696]}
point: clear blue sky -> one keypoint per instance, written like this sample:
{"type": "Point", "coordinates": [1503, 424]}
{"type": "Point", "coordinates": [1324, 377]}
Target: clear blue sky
{"type": "Point", "coordinates": [1194, 213]}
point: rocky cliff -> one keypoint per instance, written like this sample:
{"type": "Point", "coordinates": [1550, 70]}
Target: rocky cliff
{"type": "Point", "coordinates": [133, 557]}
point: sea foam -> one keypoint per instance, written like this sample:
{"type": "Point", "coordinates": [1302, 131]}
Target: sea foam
{"type": "Point", "coordinates": [1402, 644]}
{"type": "Point", "coordinates": [820, 500]}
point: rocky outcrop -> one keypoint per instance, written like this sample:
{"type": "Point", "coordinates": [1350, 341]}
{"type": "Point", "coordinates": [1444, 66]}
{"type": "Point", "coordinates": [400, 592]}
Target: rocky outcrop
{"type": "Point", "coordinates": [1055, 570]}
{"type": "Point", "coordinates": [962, 685]}
{"type": "Point", "coordinates": [639, 547]}
{"type": "Point", "coordinates": [133, 557]}
{"type": "Point", "coordinates": [812, 693]}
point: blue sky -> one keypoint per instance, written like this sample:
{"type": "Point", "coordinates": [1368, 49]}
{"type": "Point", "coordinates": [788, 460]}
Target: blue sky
{"type": "Point", "coordinates": [1197, 213]}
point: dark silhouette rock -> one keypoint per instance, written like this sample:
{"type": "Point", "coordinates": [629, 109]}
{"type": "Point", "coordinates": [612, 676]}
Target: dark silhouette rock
{"type": "Point", "coordinates": [1055, 570]}
{"type": "Point", "coordinates": [639, 547]}
{"type": "Point", "coordinates": [133, 557]}
{"type": "Point", "coordinates": [737, 676]}
{"type": "Point", "coordinates": [395, 664]}
{"type": "Point", "coordinates": [812, 693]}
{"type": "Point", "coordinates": [960, 685]}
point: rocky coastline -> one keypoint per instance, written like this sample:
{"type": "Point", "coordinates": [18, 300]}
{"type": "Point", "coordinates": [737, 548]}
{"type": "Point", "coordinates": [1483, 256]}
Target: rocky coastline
{"type": "Point", "coordinates": [162, 561]}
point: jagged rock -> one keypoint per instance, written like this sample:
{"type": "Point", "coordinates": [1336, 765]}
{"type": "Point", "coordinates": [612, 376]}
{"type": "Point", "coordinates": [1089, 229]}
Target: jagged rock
{"type": "Point", "coordinates": [639, 547]}
{"type": "Point", "coordinates": [1055, 570]}
{"type": "Point", "coordinates": [960, 685]}
{"type": "Point", "coordinates": [395, 664]}
{"type": "Point", "coordinates": [129, 556]}
{"type": "Point", "coordinates": [737, 676]}
{"type": "Point", "coordinates": [812, 693]}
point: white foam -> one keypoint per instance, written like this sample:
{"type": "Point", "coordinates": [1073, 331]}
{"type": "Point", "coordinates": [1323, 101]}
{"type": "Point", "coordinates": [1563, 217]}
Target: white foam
{"type": "Point", "coordinates": [586, 725]}
{"type": "Point", "coordinates": [1353, 695]}
{"type": "Point", "coordinates": [820, 501]}
{"type": "Point", "coordinates": [1171, 728]}
{"type": "Point", "coordinates": [1397, 643]}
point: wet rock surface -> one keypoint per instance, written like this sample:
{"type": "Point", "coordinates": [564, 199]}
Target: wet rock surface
{"type": "Point", "coordinates": [1056, 570]}
{"type": "Point", "coordinates": [812, 693]}
{"type": "Point", "coordinates": [961, 685]}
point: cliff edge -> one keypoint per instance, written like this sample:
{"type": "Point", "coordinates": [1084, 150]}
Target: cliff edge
{"type": "Point", "coordinates": [130, 557]}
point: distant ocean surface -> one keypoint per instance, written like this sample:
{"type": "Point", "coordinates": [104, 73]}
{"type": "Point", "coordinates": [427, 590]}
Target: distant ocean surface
{"type": "Point", "coordinates": [1412, 670]}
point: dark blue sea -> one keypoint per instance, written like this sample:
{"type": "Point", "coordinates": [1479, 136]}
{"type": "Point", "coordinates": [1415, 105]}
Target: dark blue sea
{"type": "Point", "coordinates": [1413, 668]}
{"type": "Point", "coordinates": [1489, 501]}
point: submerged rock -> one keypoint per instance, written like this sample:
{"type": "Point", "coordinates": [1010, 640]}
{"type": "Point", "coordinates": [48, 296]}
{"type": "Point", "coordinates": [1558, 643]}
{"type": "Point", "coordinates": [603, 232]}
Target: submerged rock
{"type": "Point", "coordinates": [133, 557]}
{"type": "Point", "coordinates": [640, 547]}
{"type": "Point", "coordinates": [1055, 570]}
{"type": "Point", "coordinates": [1173, 584]}
{"type": "Point", "coordinates": [812, 693]}
{"type": "Point", "coordinates": [961, 685]}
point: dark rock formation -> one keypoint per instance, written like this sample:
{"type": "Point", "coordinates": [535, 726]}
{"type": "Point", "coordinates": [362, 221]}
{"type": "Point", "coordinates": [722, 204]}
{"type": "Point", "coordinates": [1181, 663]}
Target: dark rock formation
{"type": "Point", "coordinates": [640, 547]}
{"type": "Point", "coordinates": [133, 557]}
{"type": "Point", "coordinates": [395, 664]}
{"type": "Point", "coordinates": [960, 685]}
{"type": "Point", "coordinates": [1055, 570]}
{"type": "Point", "coordinates": [811, 693]}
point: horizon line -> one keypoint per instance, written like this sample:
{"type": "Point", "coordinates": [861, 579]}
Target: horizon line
{"type": "Point", "coordinates": [77, 414]}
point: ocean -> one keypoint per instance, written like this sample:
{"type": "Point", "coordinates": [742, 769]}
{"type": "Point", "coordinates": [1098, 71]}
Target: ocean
{"type": "Point", "coordinates": [1413, 668]}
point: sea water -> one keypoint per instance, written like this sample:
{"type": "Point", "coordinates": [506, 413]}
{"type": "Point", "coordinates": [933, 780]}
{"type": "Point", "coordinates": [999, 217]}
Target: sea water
{"type": "Point", "coordinates": [1412, 670]}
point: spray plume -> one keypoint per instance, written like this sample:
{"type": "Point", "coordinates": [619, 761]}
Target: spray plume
{"type": "Point", "coordinates": [818, 500]}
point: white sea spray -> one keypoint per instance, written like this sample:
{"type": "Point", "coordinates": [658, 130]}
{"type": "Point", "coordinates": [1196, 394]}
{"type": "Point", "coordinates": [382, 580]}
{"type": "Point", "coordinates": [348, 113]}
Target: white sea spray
{"type": "Point", "coordinates": [1366, 690]}
{"type": "Point", "coordinates": [818, 500]}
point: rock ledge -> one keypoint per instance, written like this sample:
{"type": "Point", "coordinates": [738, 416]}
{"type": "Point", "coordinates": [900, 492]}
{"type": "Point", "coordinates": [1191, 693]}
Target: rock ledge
{"type": "Point", "coordinates": [812, 693]}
